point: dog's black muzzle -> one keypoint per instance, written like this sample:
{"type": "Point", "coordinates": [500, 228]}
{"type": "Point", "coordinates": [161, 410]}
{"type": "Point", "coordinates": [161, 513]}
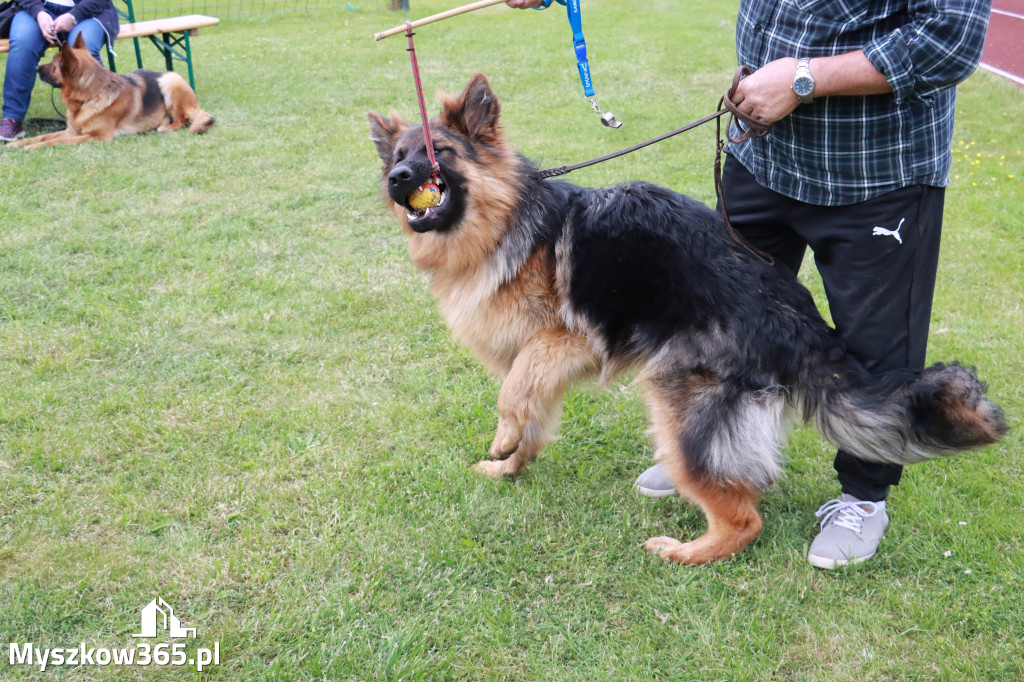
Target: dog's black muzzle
{"type": "Point", "coordinates": [44, 74]}
{"type": "Point", "coordinates": [407, 176]}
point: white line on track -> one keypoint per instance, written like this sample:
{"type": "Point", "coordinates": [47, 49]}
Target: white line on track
{"type": "Point", "coordinates": [1005, 74]}
{"type": "Point", "coordinates": [1008, 14]}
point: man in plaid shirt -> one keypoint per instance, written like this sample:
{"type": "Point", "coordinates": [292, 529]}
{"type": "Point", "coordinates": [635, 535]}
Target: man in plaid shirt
{"type": "Point", "coordinates": [880, 116]}
{"type": "Point", "coordinates": [861, 96]}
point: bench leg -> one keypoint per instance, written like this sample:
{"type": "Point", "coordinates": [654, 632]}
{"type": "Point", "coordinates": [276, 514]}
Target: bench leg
{"type": "Point", "coordinates": [176, 48]}
{"type": "Point", "coordinates": [167, 52]}
{"type": "Point", "coordinates": [138, 56]}
{"type": "Point", "coordinates": [173, 48]}
{"type": "Point", "coordinates": [188, 61]}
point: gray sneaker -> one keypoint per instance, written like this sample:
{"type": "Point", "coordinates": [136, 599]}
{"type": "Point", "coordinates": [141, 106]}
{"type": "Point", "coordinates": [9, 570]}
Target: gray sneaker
{"type": "Point", "coordinates": [850, 532]}
{"type": "Point", "coordinates": [654, 482]}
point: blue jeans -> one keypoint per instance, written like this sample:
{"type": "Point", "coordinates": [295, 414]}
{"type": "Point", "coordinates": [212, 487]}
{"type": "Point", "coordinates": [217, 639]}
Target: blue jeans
{"type": "Point", "coordinates": [26, 49]}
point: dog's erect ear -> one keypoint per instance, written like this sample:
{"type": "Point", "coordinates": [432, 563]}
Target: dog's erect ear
{"type": "Point", "coordinates": [65, 62]}
{"type": "Point", "coordinates": [384, 132]}
{"type": "Point", "coordinates": [475, 112]}
{"type": "Point", "coordinates": [80, 42]}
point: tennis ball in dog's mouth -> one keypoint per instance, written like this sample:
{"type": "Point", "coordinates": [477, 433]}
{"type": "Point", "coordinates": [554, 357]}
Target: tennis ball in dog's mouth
{"type": "Point", "coordinates": [426, 195]}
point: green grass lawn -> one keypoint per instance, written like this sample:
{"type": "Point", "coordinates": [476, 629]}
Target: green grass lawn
{"type": "Point", "coordinates": [223, 383]}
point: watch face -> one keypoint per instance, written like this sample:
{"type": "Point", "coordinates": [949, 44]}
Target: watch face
{"type": "Point", "coordinates": [803, 86]}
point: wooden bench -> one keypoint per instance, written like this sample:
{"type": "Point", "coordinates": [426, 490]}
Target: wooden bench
{"type": "Point", "coordinates": [170, 36]}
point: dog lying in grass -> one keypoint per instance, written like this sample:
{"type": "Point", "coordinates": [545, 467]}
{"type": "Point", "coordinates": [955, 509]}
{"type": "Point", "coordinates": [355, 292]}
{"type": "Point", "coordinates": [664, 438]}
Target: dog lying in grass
{"type": "Point", "coordinates": [102, 104]}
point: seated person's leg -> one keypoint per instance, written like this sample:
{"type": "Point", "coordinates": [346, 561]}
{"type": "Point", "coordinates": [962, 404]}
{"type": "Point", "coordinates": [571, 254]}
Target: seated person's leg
{"type": "Point", "coordinates": [27, 46]}
{"type": "Point", "coordinates": [92, 31]}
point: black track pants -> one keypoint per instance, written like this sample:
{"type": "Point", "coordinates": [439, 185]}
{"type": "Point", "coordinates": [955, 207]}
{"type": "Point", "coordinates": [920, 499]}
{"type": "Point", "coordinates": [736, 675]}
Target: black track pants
{"type": "Point", "coordinates": [877, 260]}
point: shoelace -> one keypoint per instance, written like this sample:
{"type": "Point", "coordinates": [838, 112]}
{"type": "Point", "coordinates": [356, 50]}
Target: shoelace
{"type": "Point", "coordinates": [847, 514]}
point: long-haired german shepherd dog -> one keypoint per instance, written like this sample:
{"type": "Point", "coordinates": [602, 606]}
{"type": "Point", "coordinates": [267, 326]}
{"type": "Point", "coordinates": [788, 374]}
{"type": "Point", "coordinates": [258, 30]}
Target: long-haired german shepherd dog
{"type": "Point", "coordinates": [550, 283]}
{"type": "Point", "coordinates": [102, 104]}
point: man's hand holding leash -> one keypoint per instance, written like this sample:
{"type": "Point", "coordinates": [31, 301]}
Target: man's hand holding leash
{"type": "Point", "coordinates": [768, 95]}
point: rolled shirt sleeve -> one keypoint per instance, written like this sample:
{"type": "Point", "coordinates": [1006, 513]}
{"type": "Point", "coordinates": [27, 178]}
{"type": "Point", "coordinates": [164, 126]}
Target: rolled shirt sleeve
{"type": "Point", "coordinates": [842, 150]}
{"type": "Point", "coordinates": [939, 47]}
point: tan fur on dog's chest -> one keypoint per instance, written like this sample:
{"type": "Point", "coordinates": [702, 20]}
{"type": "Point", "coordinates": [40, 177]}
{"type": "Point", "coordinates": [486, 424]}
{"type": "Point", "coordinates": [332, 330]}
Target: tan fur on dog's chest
{"type": "Point", "coordinates": [495, 320]}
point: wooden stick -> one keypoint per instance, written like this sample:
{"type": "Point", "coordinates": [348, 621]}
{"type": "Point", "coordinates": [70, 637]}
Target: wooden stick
{"type": "Point", "coordinates": [437, 17]}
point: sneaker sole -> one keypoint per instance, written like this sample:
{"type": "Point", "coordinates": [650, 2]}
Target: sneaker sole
{"type": "Point", "coordinates": [653, 492]}
{"type": "Point", "coordinates": [829, 564]}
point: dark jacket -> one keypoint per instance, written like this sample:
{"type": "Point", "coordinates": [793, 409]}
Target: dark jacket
{"type": "Point", "coordinates": [102, 10]}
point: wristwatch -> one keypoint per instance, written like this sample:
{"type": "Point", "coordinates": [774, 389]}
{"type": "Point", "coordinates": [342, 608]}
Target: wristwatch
{"type": "Point", "coordinates": [803, 82]}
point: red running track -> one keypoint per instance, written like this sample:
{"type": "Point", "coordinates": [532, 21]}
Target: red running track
{"type": "Point", "coordinates": [1004, 44]}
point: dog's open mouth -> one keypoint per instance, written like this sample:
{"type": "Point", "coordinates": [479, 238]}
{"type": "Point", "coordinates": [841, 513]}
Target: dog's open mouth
{"type": "Point", "coordinates": [426, 200]}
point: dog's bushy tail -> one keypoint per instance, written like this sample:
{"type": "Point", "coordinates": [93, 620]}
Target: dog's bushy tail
{"type": "Point", "coordinates": [904, 417]}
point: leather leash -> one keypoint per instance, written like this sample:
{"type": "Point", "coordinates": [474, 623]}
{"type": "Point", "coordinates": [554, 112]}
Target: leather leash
{"type": "Point", "coordinates": [562, 170]}
{"type": "Point", "coordinates": [753, 128]}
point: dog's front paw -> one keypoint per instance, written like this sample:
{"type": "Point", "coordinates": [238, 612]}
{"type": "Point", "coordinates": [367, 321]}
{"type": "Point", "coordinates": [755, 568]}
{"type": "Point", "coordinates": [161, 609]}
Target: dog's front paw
{"type": "Point", "coordinates": [506, 440]}
{"type": "Point", "coordinates": [494, 469]}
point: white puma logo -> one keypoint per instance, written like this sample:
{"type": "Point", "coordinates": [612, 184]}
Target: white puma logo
{"type": "Point", "coordinates": [890, 233]}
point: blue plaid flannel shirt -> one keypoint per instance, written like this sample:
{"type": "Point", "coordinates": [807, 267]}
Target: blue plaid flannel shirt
{"type": "Point", "coordinates": [837, 151]}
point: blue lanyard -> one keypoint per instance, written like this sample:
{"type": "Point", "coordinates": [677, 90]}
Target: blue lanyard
{"type": "Point", "coordinates": [579, 44]}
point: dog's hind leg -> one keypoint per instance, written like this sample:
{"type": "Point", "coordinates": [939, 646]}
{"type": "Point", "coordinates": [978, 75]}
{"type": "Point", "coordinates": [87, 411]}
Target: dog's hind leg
{"type": "Point", "coordinates": [171, 124]}
{"type": "Point", "coordinates": [733, 522]}
{"type": "Point", "coordinates": [34, 142]}
{"type": "Point", "coordinates": [530, 402]}
{"type": "Point", "coordinates": [727, 496]}
{"type": "Point", "coordinates": [181, 105]}
{"type": "Point", "coordinates": [62, 140]}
